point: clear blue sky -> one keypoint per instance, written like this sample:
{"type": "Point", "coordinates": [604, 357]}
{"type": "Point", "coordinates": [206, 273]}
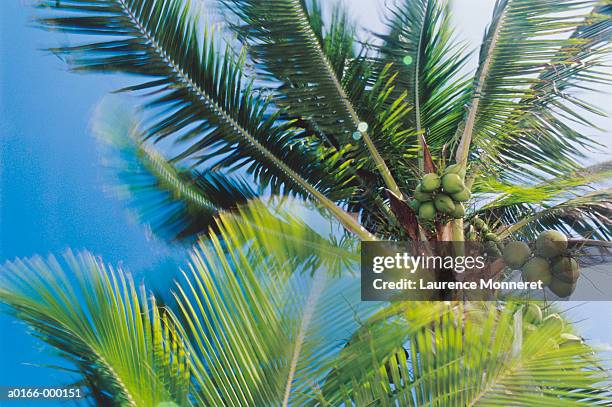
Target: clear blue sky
{"type": "Point", "coordinates": [51, 183]}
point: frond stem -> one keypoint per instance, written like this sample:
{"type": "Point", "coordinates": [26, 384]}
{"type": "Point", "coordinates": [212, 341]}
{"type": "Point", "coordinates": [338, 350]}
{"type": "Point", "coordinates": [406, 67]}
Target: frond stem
{"type": "Point", "coordinates": [378, 160]}
{"type": "Point", "coordinates": [466, 139]}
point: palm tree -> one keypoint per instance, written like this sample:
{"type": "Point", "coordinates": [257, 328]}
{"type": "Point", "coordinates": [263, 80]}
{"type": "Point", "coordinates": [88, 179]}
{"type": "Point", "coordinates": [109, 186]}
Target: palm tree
{"type": "Point", "coordinates": [295, 104]}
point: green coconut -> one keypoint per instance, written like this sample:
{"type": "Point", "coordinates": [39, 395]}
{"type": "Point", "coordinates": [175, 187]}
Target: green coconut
{"type": "Point", "coordinates": [444, 204]}
{"type": "Point", "coordinates": [537, 269]}
{"type": "Point", "coordinates": [551, 244]}
{"type": "Point", "coordinates": [479, 223]}
{"type": "Point", "coordinates": [533, 314]}
{"type": "Point", "coordinates": [561, 288]}
{"type": "Point", "coordinates": [459, 211]}
{"type": "Point", "coordinates": [555, 321]}
{"type": "Point", "coordinates": [430, 182]}
{"type": "Point", "coordinates": [566, 269]}
{"type": "Point", "coordinates": [452, 183]}
{"type": "Point", "coordinates": [471, 236]}
{"type": "Point", "coordinates": [492, 237]}
{"type": "Point", "coordinates": [421, 196]}
{"type": "Point", "coordinates": [516, 254]}
{"type": "Point", "coordinates": [462, 196]}
{"type": "Point", "coordinates": [427, 211]}
{"type": "Point", "coordinates": [567, 339]}
{"type": "Point", "coordinates": [455, 169]}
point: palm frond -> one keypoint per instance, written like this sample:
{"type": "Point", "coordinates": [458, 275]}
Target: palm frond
{"type": "Point", "coordinates": [420, 42]}
{"type": "Point", "coordinates": [287, 319]}
{"type": "Point", "coordinates": [198, 93]}
{"type": "Point", "coordinates": [546, 127]}
{"type": "Point", "coordinates": [176, 203]}
{"type": "Point", "coordinates": [587, 216]}
{"type": "Point", "coordinates": [126, 349]}
{"type": "Point", "coordinates": [467, 357]}
{"type": "Point", "coordinates": [283, 43]}
{"type": "Point", "coordinates": [523, 40]}
{"type": "Point", "coordinates": [575, 203]}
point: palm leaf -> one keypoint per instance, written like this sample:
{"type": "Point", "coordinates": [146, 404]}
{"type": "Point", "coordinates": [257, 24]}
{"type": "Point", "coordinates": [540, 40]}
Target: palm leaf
{"type": "Point", "coordinates": [199, 94]}
{"type": "Point", "coordinates": [521, 41]}
{"type": "Point", "coordinates": [545, 128]}
{"type": "Point", "coordinates": [467, 357]}
{"type": "Point", "coordinates": [176, 203]}
{"type": "Point", "coordinates": [573, 203]}
{"type": "Point", "coordinates": [283, 42]}
{"type": "Point", "coordinates": [126, 350]}
{"type": "Point", "coordinates": [419, 42]}
{"type": "Point", "coordinates": [587, 216]}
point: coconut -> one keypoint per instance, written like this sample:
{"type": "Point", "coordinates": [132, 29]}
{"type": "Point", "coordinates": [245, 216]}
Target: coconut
{"type": "Point", "coordinates": [452, 183]}
{"type": "Point", "coordinates": [492, 237]}
{"type": "Point", "coordinates": [561, 288]}
{"type": "Point", "coordinates": [566, 269]}
{"type": "Point", "coordinates": [537, 269]}
{"type": "Point", "coordinates": [533, 314]}
{"type": "Point", "coordinates": [430, 182]}
{"type": "Point", "coordinates": [462, 196]}
{"type": "Point", "coordinates": [455, 169]}
{"type": "Point", "coordinates": [427, 211]}
{"type": "Point", "coordinates": [568, 339]}
{"type": "Point", "coordinates": [551, 244]}
{"type": "Point", "coordinates": [421, 196]}
{"type": "Point", "coordinates": [554, 321]}
{"type": "Point", "coordinates": [471, 236]}
{"type": "Point", "coordinates": [444, 204]}
{"type": "Point", "coordinates": [516, 254]}
{"type": "Point", "coordinates": [414, 204]}
{"type": "Point", "coordinates": [459, 211]}
{"type": "Point", "coordinates": [479, 223]}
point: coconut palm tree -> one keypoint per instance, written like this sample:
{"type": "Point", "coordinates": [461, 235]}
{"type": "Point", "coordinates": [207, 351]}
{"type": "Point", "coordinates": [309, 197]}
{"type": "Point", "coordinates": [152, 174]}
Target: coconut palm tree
{"type": "Point", "coordinates": [293, 102]}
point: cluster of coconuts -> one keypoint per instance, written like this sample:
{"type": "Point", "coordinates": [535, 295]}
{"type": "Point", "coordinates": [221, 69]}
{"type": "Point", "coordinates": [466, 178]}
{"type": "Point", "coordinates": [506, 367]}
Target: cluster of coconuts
{"type": "Point", "coordinates": [533, 316]}
{"type": "Point", "coordinates": [478, 230]}
{"type": "Point", "coordinates": [550, 264]}
{"type": "Point", "coordinates": [441, 194]}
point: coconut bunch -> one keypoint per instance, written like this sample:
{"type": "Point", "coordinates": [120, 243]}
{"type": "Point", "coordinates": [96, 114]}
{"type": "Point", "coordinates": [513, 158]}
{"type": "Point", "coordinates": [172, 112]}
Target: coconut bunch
{"type": "Point", "coordinates": [440, 195]}
{"type": "Point", "coordinates": [550, 262]}
{"type": "Point", "coordinates": [479, 231]}
{"type": "Point", "coordinates": [534, 317]}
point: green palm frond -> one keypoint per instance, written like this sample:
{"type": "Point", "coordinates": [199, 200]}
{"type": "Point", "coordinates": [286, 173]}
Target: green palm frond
{"type": "Point", "coordinates": [522, 41]}
{"type": "Point", "coordinates": [574, 203]}
{"type": "Point", "coordinates": [282, 41]}
{"type": "Point", "coordinates": [337, 36]}
{"type": "Point", "coordinates": [287, 40]}
{"type": "Point", "coordinates": [264, 324]}
{"type": "Point", "coordinates": [420, 43]}
{"type": "Point", "coordinates": [176, 203]}
{"type": "Point", "coordinates": [586, 215]}
{"type": "Point", "coordinates": [198, 94]}
{"type": "Point", "coordinates": [127, 351]}
{"type": "Point", "coordinates": [552, 107]}
{"type": "Point", "coordinates": [468, 356]}
{"type": "Point", "coordinates": [261, 315]}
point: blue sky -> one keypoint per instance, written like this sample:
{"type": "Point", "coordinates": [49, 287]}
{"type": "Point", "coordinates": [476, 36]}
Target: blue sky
{"type": "Point", "coordinates": [51, 182]}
